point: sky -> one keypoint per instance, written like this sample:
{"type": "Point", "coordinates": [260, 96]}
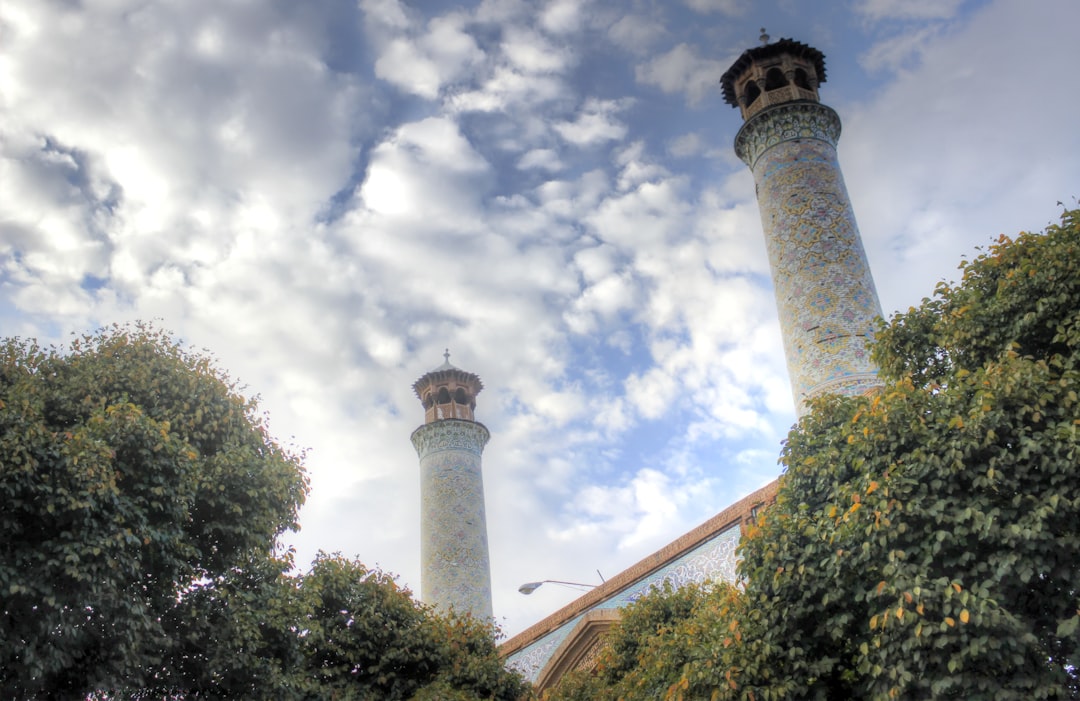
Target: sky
{"type": "Point", "coordinates": [328, 194]}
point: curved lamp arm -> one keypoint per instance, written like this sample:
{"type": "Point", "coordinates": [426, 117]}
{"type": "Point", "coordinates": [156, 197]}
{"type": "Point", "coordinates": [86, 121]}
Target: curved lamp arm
{"type": "Point", "coordinates": [530, 587]}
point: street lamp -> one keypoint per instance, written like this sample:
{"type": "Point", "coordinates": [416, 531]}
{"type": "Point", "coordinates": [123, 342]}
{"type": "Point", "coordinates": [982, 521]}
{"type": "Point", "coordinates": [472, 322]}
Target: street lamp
{"type": "Point", "coordinates": [530, 587]}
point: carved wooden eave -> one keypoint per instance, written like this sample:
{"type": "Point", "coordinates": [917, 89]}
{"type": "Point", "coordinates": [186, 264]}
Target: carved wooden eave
{"type": "Point", "coordinates": [760, 53]}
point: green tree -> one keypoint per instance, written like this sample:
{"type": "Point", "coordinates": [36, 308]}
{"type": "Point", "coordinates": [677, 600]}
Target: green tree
{"type": "Point", "coordinates": [132, 473]}
{"type": "Point", "coordinates": [925, 541]}
{"type": "Point", "coordinates": [237, 636]}
{"type": "Point", "coordinates": [367, 638]}
{"type": "Point", "coordinates": [661, 645]}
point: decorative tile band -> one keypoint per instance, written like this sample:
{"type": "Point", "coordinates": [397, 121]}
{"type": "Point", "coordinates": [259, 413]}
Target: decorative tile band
{"type": "Point", "coordinates": [456, 570]}
{"type": "Point", "coordinates": [793, 120]}
{"type": "Point", "coordinates": [450, 434]}
{"type": "Point", "coordinates": [824, 291]}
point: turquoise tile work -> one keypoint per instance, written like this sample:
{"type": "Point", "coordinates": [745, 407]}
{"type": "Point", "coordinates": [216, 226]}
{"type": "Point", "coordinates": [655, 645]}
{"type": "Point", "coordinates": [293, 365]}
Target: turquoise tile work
{"type": "Point", "coordinates": [453, 547]}
{"type": "Point", "coordinates": [824, 291]}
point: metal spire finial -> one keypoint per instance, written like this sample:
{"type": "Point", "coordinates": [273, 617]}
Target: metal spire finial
{"type": "Point", "coordinates": [446, 355]}
{"type": "Point", "coordinates": [764, 37]}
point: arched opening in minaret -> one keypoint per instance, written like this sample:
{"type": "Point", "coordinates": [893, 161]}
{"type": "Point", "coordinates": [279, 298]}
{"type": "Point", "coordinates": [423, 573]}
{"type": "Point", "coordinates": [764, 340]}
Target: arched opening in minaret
{"type": "Point", "coordinates": [428, 402]}
{"type": "Point", "coordinates": [444, 396]}
{"type": "Point", "coordinates": [774, 79]}
{"type": "Point", "coordinates": [460, 397]}
{"type": "Point", "coordinates": [752, 92]}
{"type": "Point", "coordinates": [801, 79]}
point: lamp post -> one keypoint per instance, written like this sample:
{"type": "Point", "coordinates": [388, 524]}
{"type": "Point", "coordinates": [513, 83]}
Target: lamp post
{"type": "Point", "coordinates": [530, 587]}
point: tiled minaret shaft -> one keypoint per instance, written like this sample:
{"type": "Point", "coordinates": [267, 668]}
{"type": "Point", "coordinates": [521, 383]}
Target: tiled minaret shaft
{"type": "Point", "coordinates": [824, 291]}
{"type": "Point", "coordinates": [455, 567]}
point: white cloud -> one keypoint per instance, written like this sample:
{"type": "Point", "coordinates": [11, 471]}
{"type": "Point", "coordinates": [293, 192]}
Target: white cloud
{"type": "Point", "coordinates": [425, 169]}
{"type": "Point", "coordinates": [529, 52]}
{"type": "Point", "coordinates": [635, 168]}
{"type": "Point", "coordinates": [541, 159]}
{"type": "Point", "coordinates": [390, 13]}
{"type": "Point", "coordinates": [403, 64]}
{"type": "Point", "coordinates": [682, 70]}
{"type": "Point", "coordinates": [508, 90]}
{"type": "Point", "coordinates": [686, 145]}
{"type": "Point", "coordinates": [947, 188]}
{"type": "Point", "coordinates": [562, 16]}
{"type": "Point", "coordinates": [727, 7]}
{"type": "Point", "coordinates": [636, 33]}
{"type": "Point", "coordinates": [596, 123]}
{"type": "Point", "coordinates": [878, 10]}
{"type": "Point", "coordinates": [898, 51]}
{"type": "Point", "coordinates": [424, 65]}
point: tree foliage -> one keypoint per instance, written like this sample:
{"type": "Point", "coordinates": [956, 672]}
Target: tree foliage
{"type": "Point", "coordinates": [667, 644]}
{"type": "Point", "coordinates": [131, 469]}
{"type": "Point", "coordinates": [369, 639]}
{"type": "Point", "coordinates": [925, 541]}
{"type": "Point", "coordinates": [340, 631]}
{"type": "Point", "coordinates": [142, 500]}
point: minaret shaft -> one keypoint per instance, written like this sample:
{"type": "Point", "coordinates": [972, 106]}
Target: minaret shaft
{"type": "Point", "coordinates": [824, 291]}
{"type": "Point", "coordinates": [453, 547]}
{"type": "Point", "coordinates": [455, 567]}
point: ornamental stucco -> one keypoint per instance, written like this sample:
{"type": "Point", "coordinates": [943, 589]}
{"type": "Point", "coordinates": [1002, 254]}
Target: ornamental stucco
{"type": "Point", "coordinates": [713, 560]}
{"type": "Point", "coordinates": [824, 291]}
{"type": "Point", "coordinates": [456, 571]}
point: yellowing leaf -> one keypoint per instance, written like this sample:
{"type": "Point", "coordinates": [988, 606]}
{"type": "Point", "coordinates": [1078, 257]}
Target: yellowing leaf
{"type": "Point", "coordinates": [965, 616]}
{"type": "Point", "coordinates": [950, 621]}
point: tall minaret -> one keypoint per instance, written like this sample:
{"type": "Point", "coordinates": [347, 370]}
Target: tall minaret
{"type": "Point", "coordinates": [455, 570]}
{"type": "Point", "coordinates": [824, 290]}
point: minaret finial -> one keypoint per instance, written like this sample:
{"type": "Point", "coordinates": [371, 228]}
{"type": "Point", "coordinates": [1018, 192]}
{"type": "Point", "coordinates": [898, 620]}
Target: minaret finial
{"type": "Point", "coordinates": [446, 355]}
{"type": "Point", "coordinates": [764, 37]}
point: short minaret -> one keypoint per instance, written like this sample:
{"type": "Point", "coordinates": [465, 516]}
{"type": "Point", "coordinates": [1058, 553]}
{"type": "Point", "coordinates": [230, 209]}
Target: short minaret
{"type": "Point", "coordinates": [824, 290]}
{"type": "Point", "coordinates": [455, 570]}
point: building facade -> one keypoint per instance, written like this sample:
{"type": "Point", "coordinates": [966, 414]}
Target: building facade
{"type": "Point", "coordinates": [570, 638]}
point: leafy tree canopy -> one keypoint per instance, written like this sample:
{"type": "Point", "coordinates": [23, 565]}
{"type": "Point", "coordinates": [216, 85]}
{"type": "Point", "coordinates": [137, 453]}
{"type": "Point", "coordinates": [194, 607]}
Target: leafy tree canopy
{"type": "Point", "coordinates": [131, 470]}
{"type": "Point", "coordinates": [925, 541]}
{"type": "Point", "coordinates": [369, 639]}
{"type": "Point", "coordinates": [340, 631]}
{"type": "Point", "coordinates": [142, 500]}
